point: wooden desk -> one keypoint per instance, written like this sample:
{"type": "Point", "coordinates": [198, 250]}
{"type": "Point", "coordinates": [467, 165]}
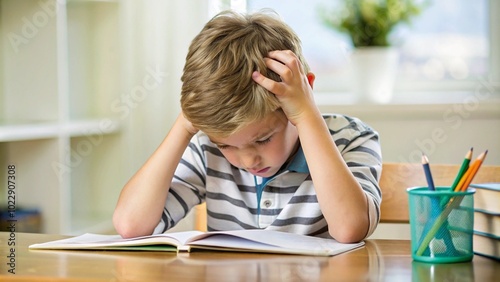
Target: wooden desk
{"type": "Point", "coordinates": [379, 260]}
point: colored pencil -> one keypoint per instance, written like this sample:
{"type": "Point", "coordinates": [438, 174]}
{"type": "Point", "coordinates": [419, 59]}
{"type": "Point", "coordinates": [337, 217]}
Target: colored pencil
{"type": "Point", "coordinates": [435, 208]}
{"type": "Point", "coordinates": [461, 172]}
{"type": "Point", "coordinates": [462, 186]}
{"type": "Point", "coordinates": [428, 174]}
{"type": "Point", "coordinates": [463, 169]}
{"type": "Point", "coordinates": [471, 172]}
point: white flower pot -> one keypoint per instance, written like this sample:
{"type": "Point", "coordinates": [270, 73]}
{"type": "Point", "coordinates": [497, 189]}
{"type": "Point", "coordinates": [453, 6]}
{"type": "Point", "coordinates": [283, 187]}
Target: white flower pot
{"type": "Point", "coordinates": [374, 71]}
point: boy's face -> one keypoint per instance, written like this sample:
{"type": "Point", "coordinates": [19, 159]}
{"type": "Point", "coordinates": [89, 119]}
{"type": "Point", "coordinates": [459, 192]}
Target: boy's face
{"type": "Point", "coordinates": [262, 147]}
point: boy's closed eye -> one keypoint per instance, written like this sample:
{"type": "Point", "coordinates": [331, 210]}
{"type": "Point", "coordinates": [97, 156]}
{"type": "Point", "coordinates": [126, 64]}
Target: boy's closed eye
{"type": "Point", "coordinates": [264, 141]}
{"type": "Point", "coordinates": [258, 142]}
{"type": "Point", "coordinates": [222, 146]}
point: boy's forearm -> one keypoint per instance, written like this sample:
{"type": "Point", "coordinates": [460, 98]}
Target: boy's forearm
{"type": "Point", "coordinates": [340, 196]}
{"type": "Point", "coordinates": [141, 201]}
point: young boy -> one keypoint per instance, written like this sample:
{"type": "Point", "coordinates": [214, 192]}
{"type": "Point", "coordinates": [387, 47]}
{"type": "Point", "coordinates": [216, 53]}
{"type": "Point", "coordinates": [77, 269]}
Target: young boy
{"type": "Point", "coordinates": [251, 142]}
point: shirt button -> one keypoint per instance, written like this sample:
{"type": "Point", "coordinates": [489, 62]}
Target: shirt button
{"type": "Point", "coordinates": [267, 203]}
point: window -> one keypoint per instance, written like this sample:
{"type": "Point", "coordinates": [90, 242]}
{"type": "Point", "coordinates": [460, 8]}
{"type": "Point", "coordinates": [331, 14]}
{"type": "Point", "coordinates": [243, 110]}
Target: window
{"type": "Point", "coordinates": [450, 46]}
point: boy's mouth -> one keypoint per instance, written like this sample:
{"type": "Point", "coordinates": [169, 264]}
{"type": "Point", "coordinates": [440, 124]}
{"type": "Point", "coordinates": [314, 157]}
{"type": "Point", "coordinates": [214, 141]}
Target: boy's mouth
{"type": "Point", "coordinates": [264, 170]}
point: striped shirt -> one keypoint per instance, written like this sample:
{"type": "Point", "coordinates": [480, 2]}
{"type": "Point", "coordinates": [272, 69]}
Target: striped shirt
{"type": "Point", "coordinates": [236, 199]}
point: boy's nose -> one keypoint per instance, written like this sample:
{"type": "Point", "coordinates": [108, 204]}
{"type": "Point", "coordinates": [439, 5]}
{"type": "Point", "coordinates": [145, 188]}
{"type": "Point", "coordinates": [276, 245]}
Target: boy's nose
{"type": "Point", "coordinates": [250, 160]}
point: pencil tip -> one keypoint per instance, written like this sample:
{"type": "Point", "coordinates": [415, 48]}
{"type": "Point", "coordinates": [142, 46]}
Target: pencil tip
{"type": "Point", "coordinates": [483, 155]}
{"type": "Point", "coordinates": [469, 153]}
{"type": "Point", "coordinates": [425, 160]}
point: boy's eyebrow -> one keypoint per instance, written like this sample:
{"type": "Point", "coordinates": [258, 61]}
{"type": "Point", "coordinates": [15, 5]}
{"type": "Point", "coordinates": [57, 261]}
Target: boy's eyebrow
{"type": "Point", "coordinates": [257, 137]}
{"type": "Point", "coordinates": [216, 143]}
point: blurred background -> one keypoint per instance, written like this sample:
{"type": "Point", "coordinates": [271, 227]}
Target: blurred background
{"type": "Point", "coordinates": [90, 88]}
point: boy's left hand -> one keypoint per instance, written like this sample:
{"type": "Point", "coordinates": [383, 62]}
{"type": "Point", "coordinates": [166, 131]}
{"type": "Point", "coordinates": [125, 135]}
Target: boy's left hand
{"type": "Point", "coordinates": [295, 89]}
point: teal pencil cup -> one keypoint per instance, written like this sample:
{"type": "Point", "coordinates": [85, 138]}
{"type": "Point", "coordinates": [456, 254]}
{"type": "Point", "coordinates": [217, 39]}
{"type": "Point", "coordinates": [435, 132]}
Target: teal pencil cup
{"type": "Point", "coordinates": [441, 224]}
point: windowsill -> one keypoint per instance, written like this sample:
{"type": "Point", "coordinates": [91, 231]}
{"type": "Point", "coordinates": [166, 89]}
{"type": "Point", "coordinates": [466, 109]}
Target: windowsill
{"type": "Point", "coordinates": [414, 105]}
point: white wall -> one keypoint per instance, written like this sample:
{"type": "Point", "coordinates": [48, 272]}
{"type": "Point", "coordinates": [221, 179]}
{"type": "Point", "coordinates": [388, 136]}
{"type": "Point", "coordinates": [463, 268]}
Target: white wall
{"type": "Point", "coordinates": [156, 38]}
{"type": "Point", "coordinates": [444, 131]}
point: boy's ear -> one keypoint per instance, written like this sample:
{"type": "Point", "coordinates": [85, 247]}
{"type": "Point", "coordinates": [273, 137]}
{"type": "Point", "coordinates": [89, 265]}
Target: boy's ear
{"type": "Point", "coordinates": [311, 77]}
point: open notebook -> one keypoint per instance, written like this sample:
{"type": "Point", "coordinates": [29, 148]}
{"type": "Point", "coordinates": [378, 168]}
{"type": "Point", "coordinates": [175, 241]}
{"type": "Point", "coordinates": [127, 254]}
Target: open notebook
{"type": "Point", "coordinates": [260, 241]}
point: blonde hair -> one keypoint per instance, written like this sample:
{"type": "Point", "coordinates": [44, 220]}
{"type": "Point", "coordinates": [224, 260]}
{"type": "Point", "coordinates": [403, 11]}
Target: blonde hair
{"type": "Point", "coordinates": [218, 94]}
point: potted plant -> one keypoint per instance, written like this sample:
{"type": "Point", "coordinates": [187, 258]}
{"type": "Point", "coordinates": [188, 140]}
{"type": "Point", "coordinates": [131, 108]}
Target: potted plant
{"type": "Point", "coordinates": [369, 24]}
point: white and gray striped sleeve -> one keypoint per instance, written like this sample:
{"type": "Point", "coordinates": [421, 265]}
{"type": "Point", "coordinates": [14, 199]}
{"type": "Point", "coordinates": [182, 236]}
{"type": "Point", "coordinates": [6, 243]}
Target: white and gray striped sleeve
{"type": "Point", "coordinates": [187, 188]}
{"type": "Point", "coordinates": [360, 147]}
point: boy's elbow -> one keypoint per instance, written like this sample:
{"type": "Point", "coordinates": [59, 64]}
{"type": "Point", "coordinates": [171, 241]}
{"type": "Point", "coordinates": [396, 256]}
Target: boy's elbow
{"type": "Point", "coordinates": [121, 227]}
{"type": "Point", "coordinates": [125, 232]}
{"type": "Point", "coordinates": [347, 235]}
{"type": "Point", "coordinates": [125, 228]}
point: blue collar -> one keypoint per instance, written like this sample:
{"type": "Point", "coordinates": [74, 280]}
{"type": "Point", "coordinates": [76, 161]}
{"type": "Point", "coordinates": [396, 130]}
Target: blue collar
{"type": "Point", "coordinates": [298, 163]}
